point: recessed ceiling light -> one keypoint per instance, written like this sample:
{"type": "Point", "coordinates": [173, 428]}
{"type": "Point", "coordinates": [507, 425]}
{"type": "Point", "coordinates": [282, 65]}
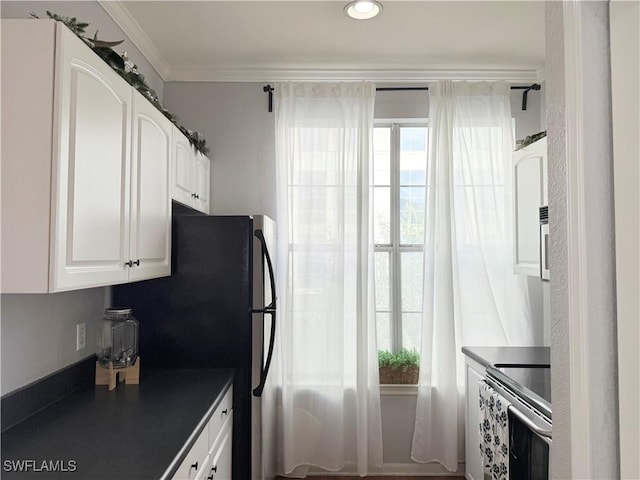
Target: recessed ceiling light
{"type": "Point", "coordinates": [363, 9]}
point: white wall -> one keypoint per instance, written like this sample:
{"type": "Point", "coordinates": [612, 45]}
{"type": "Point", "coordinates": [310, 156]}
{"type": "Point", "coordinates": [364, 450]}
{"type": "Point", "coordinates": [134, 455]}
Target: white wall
{"type": "Point", "coordinates": [38, 331]}
{"type": "Point", "coordinates": [584, 393]}
{"type": "Point", "coordinates": [625, 79]}
{"type": "Point", "coordinates": [555, 102]}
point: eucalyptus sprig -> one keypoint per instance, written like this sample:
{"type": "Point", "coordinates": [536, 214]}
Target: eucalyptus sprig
{"type": "Point", "coordinates": [71, 22]}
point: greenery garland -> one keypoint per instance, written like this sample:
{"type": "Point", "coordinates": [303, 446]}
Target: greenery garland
{"type": "Point", "coordinates": [128, 71]}
{"type": "Point", "coordinates": [530, 139]}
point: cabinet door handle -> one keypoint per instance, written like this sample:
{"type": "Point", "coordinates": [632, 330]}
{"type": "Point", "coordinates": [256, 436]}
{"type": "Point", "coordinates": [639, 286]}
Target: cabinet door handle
{"type": "Point", "coordinates": [137, 262]}
{"type": "Point", "coordinates": [194, 466]}
{"type": "Point", "coordinates": [225, 412]}
{"type": "Point", "coordinates": [197, 196]}
{"type": "Point", "coordinates": [129, 264]}
{"type": "Point", "coordinates": [193, 195]}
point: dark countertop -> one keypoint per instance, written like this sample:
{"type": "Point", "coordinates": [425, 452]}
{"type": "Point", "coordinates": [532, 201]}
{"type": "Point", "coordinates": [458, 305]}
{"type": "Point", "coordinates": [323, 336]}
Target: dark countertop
{"type": "Point", "coordinates": [509, 356]}
{"type": "Point", "coordinates": [137, 432]}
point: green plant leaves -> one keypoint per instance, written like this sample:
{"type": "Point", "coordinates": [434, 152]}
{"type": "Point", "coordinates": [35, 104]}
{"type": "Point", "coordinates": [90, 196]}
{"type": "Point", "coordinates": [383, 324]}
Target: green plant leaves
{"type": "Point", "coordinates": [402, 359]}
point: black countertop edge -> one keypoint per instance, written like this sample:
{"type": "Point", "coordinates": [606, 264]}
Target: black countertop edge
{"type": "Point", "coordinates": [182, 454]}
{"type": "Point", "coordinates": [509, 356]}
{"type": "Point", "coordinates": [26, 401]}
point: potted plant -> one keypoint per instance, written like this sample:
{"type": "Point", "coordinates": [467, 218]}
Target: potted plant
{"type": "Point", "coordinates": [399, 368]}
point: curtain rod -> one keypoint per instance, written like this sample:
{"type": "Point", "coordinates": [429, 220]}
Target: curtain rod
{"type": "Point", "coordinates": [527, 88]}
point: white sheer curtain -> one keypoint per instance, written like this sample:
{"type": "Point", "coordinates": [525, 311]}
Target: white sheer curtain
{"type": "Point", "coordinates": [330, 395]}
{"type": "Point", "coordinates": [471, 296]}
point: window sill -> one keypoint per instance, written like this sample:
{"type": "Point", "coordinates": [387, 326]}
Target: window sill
{"type": "Point", "coordinates": [398, 389]}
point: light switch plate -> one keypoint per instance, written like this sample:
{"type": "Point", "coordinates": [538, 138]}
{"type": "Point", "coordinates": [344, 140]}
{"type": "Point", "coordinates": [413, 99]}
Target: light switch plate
{"type": "Point", "coordinates": [81, 336]}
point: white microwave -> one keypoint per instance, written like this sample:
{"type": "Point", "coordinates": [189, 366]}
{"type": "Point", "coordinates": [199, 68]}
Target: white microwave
{"type": "Point", "coordinates": [544, 243]}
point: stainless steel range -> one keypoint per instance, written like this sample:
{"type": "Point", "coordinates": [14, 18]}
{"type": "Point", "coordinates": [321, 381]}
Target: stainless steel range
{"type": "Point", "coordinates": [528, 389]}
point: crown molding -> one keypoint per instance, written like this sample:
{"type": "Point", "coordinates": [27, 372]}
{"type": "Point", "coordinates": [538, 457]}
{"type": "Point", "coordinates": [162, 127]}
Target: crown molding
{"type": "Point", "coordinates": [391, 73]}
{"type": "Point", "coordinates": [119, 13]}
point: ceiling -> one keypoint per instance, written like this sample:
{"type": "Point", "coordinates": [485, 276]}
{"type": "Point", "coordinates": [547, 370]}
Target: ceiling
{"type": "Point", "coordinates": [301, 40]}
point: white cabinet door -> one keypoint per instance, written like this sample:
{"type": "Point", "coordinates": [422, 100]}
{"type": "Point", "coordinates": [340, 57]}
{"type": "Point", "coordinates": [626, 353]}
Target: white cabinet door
{"type": "Point", "coordinates": [202, 180]}
{"type": "Point", "coordinates": [210, 456]}
{"type": "Point", "coordinates": [190, 174]}
{"type": "Point", "coordinates": [195, 463]}
{"type": "Point", "coordinates": [92, 135]}
{"type": "Point", "coordinates": [529, 193]}
{"type": "Point", "coordinates": [150, 193]}
{"type": "Point", "coordinates": [473, 461]}
{"type": "Point", "coordinates": [182, 189]}
{"type": "Point", "coordinates": [220, 457]}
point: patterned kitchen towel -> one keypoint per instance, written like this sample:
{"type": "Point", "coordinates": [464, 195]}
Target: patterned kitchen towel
{"type": "Point", "coordinates": [494, 433]}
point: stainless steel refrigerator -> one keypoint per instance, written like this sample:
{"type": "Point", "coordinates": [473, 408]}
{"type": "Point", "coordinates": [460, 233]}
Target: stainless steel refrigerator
{"type": "Point", "coordinates": [218, 309]}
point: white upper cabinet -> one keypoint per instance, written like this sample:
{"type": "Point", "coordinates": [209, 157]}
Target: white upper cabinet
{"type": "Point", "coordinates": [529, 193]}
{"type": "Point", "coordinates": [83, 203]}
{"type": "Point", "coordinates": [190, 174]}
{"type": "Point", "coordinates": [91, 164]}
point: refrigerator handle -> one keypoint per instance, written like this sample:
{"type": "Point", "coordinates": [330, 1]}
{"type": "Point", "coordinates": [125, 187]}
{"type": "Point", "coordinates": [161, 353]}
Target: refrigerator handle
{"type": "Point", "coordinates": [265, 252]}
{"type": "Point", "coordinates": [257, 392]}
{"type": "Point", "coordinates": [268, 310]}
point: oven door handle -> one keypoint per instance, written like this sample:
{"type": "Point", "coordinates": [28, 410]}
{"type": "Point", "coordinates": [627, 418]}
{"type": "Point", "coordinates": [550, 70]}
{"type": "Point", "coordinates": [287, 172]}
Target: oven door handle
{"type": "Point", "coordinates": [532, 426]}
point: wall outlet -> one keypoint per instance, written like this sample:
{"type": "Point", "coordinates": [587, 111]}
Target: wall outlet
{"type": "Point", "coordinates": [81, 336]}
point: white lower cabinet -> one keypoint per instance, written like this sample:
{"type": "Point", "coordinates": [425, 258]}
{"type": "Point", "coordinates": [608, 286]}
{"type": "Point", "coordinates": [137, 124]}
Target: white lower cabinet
{"type": "Point", "coordinates": [474, 372]}
{"type": "Point", "coordinates": [219, 465]}
{"type": "Point", "coordinates": [210, 456]}
{"type": "Point", "coordinates": [195, 461]}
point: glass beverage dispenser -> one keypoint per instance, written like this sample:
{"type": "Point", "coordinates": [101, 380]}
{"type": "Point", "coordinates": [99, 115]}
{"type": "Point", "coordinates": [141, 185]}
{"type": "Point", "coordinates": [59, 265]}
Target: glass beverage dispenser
{"type": "Point", "coordinates": [118, 338]}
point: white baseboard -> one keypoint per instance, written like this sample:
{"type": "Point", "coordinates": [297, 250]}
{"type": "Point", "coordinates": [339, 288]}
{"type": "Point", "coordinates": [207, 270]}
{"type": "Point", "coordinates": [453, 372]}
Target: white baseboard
{"type": "Point", "coordinates": [406, 469]}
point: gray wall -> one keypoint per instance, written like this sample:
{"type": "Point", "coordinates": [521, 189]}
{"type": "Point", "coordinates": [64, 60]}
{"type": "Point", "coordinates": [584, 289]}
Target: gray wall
{"type": "Point", "coordinates": [39, 331]}
{"type": "Point", "coordinates": [239, 130]}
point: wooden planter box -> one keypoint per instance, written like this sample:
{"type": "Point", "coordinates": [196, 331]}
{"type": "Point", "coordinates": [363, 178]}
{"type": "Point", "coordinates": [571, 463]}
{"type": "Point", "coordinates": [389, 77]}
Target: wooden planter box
{"type": "Point", "coordinates": [390, 376]}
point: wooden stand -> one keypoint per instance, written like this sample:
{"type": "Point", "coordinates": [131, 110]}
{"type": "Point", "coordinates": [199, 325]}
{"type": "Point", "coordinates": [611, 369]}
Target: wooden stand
{"type": "Point", "coordinates": [112, 376]}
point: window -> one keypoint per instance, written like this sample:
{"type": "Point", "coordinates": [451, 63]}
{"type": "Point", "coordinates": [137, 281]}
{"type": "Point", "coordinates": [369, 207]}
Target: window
{"type": "Point", "coordinates": [399, 184]}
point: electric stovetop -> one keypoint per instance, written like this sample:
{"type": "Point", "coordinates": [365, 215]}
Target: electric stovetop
{"type": "Point", "coordinates": [530, 383]}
